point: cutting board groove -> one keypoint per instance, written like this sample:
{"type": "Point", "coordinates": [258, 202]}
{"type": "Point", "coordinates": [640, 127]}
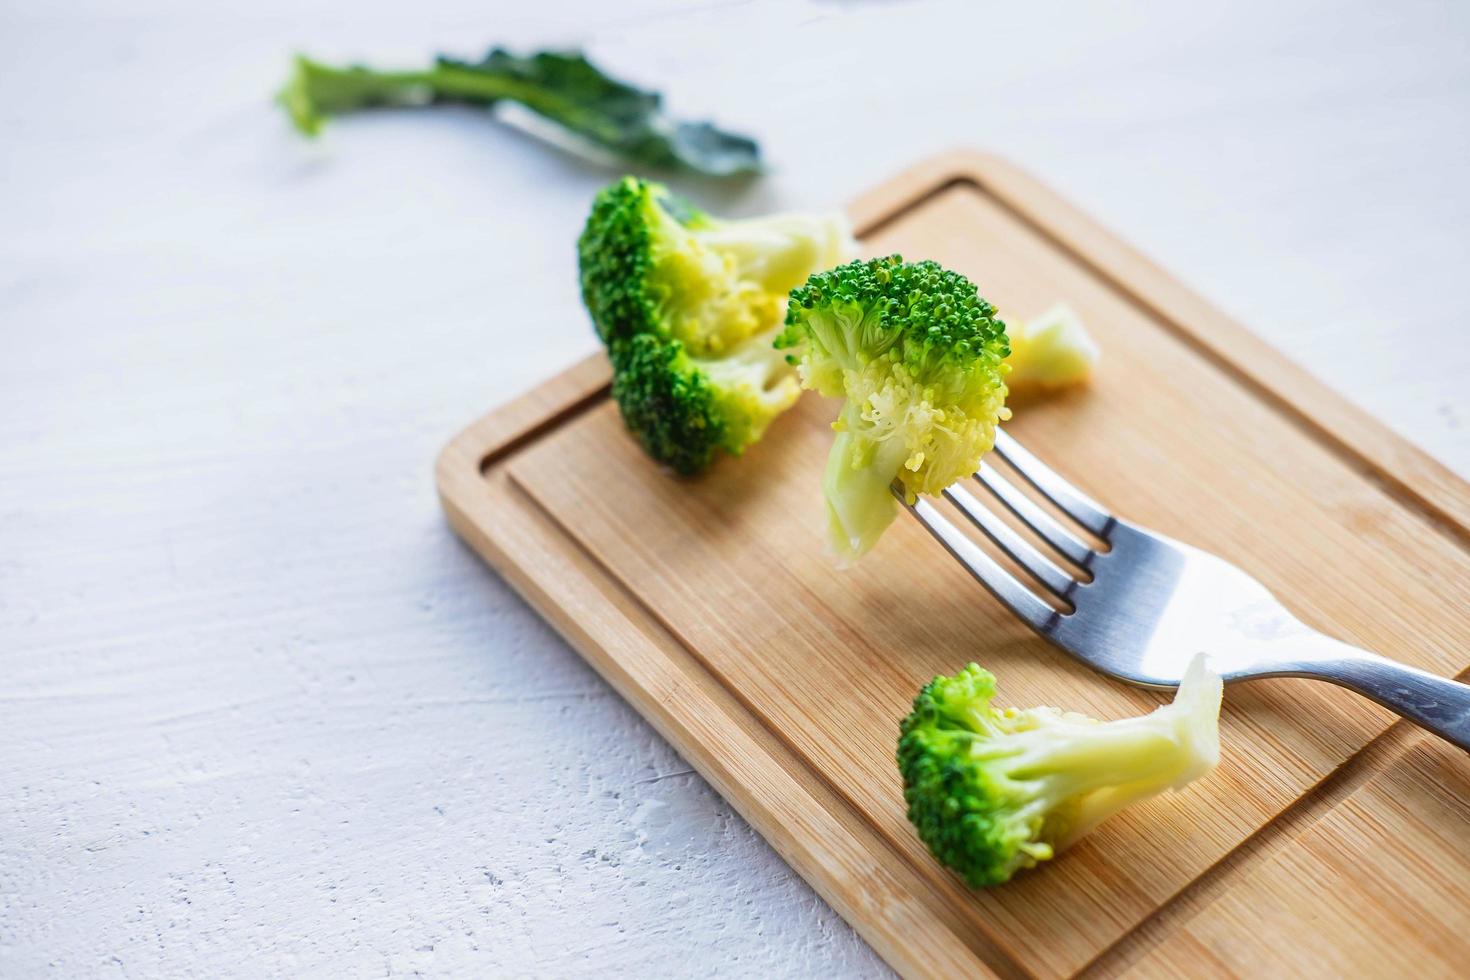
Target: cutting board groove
{"type": "Point", "coordinates": [709, 604]}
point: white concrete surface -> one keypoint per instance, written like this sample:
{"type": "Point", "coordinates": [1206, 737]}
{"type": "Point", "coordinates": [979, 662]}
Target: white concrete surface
{"type": "Point", "coordinates": [260, 713]}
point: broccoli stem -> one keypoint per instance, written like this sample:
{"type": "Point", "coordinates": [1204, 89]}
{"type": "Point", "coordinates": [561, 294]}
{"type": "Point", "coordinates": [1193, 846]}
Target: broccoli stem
{"type": "Point", "coordinates": [754, 363]}
{"type": "Point", "coordinates": [860, 503]}
{"type": "Point", "coordinates": [778, 252]}
{"type": "Point", "coordinates": [317, 91]}
{"type": "Point", "coordinates": [754, 384]}
{"type": "Point", "coordinates": [1106, 766]}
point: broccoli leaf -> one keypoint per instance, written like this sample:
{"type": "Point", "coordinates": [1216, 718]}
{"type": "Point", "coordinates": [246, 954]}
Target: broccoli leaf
{"type": "Point", "coordinates": [561, 86]}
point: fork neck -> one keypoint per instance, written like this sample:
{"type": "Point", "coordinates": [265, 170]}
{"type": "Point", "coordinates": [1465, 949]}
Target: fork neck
{"type": "Point", "coordinates": [1435, 703]}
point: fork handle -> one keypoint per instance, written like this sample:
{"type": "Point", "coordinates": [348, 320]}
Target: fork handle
{"type": "Point", "coordinates": [1436, 703]}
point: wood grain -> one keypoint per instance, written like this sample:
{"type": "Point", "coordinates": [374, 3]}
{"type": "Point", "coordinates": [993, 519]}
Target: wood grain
{"type": "Point", "coordinates": [1379, 886]}
{"type": "Point", "coordinates": [911, 921]}
{"type": "Point", "coordinates": [710, 605]}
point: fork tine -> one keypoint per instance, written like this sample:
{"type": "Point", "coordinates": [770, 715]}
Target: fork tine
{"type": "Point", "coordinates": [1001, 583]}
{"type": "Point", "coordinates": [1073, 502]}
{"type": "Point", "coordinates": [1041, 568]}
{"type": "Point", "coordinates": [1048, 528]}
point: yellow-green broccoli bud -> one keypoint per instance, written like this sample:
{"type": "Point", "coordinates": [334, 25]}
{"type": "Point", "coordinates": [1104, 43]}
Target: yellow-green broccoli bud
{"type": "Point", "coordinates": [916, 354]}
{"type": "Point", "coordinates": [992, 791]}
{"type": "Point", "coordinates": [688, 305]}
{"type": "Point", "coordinates": [1052, 351]}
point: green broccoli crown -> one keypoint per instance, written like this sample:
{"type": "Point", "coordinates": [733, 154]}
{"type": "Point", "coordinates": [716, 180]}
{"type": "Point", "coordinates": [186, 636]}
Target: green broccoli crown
{"type": "Point", "coordinates": [972, 815]}
{"type": "Point", "coordinates": [666, 402]}
{"type": "Point", "coordinates": [617, 257]}
{"type": "Point", "coordinates": [652, 263]}
{"type": "Point", "coordinates": [916, 353]}
{"type": "Point", "coordinates": [688, 306]}
{"type": "Point", "coordinates": [683, 408]}
{"type": "Point", "coordinates": [916, 314]}
{"type": "Point", "coordinates": [994, 791]}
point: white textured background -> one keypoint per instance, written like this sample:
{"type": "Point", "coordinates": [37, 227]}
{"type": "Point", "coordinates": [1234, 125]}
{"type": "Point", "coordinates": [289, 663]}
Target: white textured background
{"type": "Point", "coordinates": [260, 713]}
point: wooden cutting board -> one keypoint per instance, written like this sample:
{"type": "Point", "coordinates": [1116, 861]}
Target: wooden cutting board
{"type": "Point", "coordinates": [710, 605]}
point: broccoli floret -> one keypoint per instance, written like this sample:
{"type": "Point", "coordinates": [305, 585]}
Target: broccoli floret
{"type": "Point", "coordinates": [994, 791]}
{"type": "Point", "coordinates": [683, 408]}
{"type": "Point", "coordinates": [653, 263]}
{"type": "Point", "coordinates": [688, 306]}
{"type": "Point", "coordinates": [916, 353]}
{"type": "Point", "coordinates": [1052, 351]}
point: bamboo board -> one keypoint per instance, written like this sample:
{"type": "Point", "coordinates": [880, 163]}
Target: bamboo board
{"type": "Point", "coordinates": [709, 604]}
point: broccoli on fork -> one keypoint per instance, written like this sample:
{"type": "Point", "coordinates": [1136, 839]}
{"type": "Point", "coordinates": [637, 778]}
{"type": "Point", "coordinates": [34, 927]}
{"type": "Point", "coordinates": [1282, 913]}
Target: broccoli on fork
{"type": "Point", "coordinates": [993, 791]}
{"type": "Point", "coordinates": [688, 306]}
{"type": "Point", "coordinates": [917, 355]}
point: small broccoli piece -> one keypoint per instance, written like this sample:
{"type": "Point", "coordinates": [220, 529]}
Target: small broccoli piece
{"type": "Point", "coordinates": [684, 408]}
{"type": "Point", "coordinates": [1052, 351]}
{"type": "Point", "coordinates": [653, 263]}
{"type": "Point", "coordinates": [688, 306]}
{"type": "Point", "coordinates": [916, 353]}
{"type": "Point", "coordinates": [994, 791]}
{"type": "Point", "coordinates": [562, 87]}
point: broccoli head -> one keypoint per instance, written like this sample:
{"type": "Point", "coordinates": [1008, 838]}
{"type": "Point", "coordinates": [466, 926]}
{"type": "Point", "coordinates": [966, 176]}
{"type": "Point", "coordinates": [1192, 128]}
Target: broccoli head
{"type": "Point", "coordinates": [917, 355]}
{"type": "Point", "coordinates": [652, 263]}
{"type": "Point", "coordinates": [688, 306]}
{"type": "Point", "coordinates": [683, 408]}
{"type": "Point", "coordinates": [993, 791]}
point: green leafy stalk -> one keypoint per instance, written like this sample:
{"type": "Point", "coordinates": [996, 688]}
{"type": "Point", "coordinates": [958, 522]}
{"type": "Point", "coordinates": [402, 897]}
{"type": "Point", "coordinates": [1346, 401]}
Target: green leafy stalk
{"type": "Point", "coordinates": [562, 87]}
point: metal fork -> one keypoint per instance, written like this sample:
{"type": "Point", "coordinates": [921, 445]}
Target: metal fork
{"type": "Point", "coordinates": [1152, 603]}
